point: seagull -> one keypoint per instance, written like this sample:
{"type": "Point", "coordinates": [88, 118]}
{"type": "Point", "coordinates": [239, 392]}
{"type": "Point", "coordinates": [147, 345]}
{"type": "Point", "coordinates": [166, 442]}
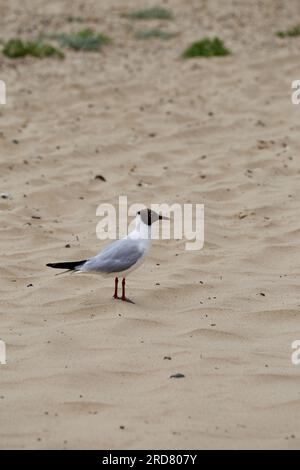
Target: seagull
{"type": "Point", "coordinates": [120, 257]}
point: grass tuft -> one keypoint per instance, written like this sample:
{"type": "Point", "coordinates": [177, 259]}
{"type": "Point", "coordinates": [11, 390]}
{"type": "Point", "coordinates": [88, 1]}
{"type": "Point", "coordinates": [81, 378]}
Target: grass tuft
{"type": "Point", "coordinates": [154, 13]}
{"type": "Point", "coordinates": [84, 40]}
{"type": "Point", "coordinates": [154, 33]}
{"type": "Point", "coordinates": [16, 48]}
{"type": "Point", "coordinates": [75, 19]}
{"type": "Point", "coordinates": [292, 32]}
{"type": "Point", "coordinates": [206, 48]}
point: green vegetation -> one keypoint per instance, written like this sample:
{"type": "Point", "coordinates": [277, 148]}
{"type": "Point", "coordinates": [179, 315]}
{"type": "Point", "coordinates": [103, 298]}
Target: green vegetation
{"type": "Point", "coordinates": [16, 48]}
{"type": "Point", "coordinates": [206, 48]}
{"type": "Point", "coordinates": [154, 13]}
{"type": "Point", "coordinates": [84, 40]}
{"type": "Point", "coordinates": [154, 33]}
{"type": "Point", "coordinates": [75, 19]}
{"type": "Point", "coordinates": [292, 32]}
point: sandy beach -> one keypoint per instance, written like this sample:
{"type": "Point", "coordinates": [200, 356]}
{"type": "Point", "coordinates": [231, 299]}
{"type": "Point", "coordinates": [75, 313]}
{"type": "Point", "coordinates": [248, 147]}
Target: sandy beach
{"type": "Point", "coordinates": [84, 371]}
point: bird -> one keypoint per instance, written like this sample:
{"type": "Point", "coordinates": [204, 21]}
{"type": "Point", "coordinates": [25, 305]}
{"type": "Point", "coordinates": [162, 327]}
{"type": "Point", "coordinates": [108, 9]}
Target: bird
{"type": "Point", "coordinates": [121, 257]}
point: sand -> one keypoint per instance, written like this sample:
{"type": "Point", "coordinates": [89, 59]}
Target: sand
{"type": "Point", "coordinates": [85, 371]}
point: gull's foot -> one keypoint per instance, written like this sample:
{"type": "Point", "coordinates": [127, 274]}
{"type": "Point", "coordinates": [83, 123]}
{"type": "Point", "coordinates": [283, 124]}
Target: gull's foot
{"type": "Point", "coordinates": [124, 299]}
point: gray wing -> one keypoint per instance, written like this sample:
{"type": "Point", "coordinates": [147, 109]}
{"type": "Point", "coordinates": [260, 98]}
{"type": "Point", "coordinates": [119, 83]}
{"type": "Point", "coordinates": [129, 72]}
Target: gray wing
{"type": "Point", "coordinates": [116, 257]}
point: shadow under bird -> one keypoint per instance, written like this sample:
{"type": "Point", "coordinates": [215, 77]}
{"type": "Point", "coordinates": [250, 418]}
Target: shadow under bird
{"type": "Point", "coordinates": [120, 257]}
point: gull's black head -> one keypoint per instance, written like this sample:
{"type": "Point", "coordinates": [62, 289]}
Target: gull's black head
{"type": "Point", "coordinates": [148, 216]}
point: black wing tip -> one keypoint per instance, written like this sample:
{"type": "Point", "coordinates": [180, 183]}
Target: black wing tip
{"type": "Point", "coordinates": [68, 265]}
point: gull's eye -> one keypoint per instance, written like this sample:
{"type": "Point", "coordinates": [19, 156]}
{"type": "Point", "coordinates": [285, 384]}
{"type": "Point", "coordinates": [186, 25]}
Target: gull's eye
{"type": "Point", "coordinates": [139, 213]}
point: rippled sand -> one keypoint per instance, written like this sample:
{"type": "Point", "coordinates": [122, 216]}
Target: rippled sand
{"type": "Point", "coordinates": [221, 132]}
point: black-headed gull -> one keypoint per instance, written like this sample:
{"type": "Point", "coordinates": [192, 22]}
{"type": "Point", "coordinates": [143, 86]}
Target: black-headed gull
{"type": "Point", "coordinates": [120, 257]}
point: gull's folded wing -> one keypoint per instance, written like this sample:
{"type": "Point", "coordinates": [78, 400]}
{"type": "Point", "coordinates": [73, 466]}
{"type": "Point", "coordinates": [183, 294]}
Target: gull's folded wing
{"type": "Point", "coordinates": [117, 257]}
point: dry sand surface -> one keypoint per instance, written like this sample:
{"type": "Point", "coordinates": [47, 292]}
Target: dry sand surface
{"type": "Point", "coordinates": [83, 370]}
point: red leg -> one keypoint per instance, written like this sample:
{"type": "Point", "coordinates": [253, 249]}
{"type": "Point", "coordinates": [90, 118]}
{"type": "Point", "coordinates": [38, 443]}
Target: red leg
{"type": "Point", "coordinates": [116, 288]}
{"type": "Point", "coordinates": [123, 289]}
{"type": "Point", "coordinates": [124, 298]}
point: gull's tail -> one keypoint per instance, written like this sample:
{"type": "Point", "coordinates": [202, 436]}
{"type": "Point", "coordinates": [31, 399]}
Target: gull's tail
{"type": "Point", "coordinates": [69, 265]}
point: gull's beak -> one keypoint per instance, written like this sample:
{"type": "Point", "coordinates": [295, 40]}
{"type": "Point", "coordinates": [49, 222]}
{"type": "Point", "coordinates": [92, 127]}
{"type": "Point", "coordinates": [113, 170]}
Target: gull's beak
{"type": "Point", "coordinates": [163, 217]}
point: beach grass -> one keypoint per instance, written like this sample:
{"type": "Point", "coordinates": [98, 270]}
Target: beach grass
{"type": "Point", "coordinates": [292, 32]}
{"type": "Point", "coordinates": [154, 34]}
{"type": "Point", "coordinates": [206, 47]}
{"type": "Point", "coordinates": [75, 19]}
{"type": "Point", "coordinates": [153, 13]}
{"type": "Point", "coordinates": [17, 48]}
{"type": "Point", "coordinates": [84, 40]}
